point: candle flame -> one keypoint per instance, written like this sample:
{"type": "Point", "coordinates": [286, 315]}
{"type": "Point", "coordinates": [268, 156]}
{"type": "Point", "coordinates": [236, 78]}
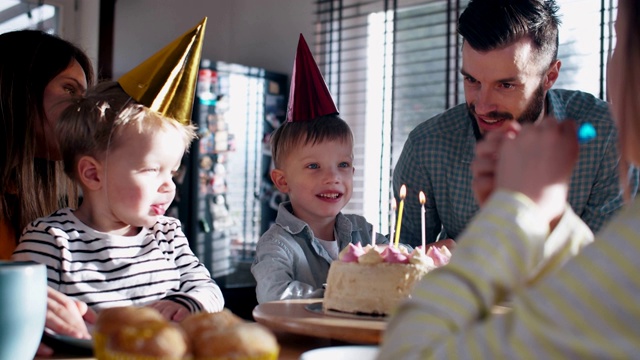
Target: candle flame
{"type": "Point", "coordinates": [403, 192]}
{"type": "Point", "coordinates": [423, 199]}
{"type": "Point", "coordinates": [393, 204]}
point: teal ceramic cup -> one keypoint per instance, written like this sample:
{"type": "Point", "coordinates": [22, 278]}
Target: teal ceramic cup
{"type": "Point", "coordinates": [23, 306]}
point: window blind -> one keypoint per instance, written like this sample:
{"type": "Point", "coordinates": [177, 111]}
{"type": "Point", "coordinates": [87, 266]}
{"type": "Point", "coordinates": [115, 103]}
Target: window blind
{"type": "Point", "coordinates": [21, 14]}
{"type": "Point", "coordinates": [391, 64]}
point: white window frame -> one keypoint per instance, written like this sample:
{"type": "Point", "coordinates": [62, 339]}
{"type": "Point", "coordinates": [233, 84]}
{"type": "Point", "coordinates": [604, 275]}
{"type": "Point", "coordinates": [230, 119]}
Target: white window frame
{"type": "Point", "coordinates": [78, 22]}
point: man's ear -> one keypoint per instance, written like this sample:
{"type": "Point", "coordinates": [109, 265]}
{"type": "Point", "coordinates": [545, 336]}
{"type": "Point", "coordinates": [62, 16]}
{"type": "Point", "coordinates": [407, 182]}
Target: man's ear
{"type": "Point", "coordinates": [552, 74]}
{"type": "Point", "coordinates": [279, 180]}
{"type": "Point", "coordinates": [90, 173]}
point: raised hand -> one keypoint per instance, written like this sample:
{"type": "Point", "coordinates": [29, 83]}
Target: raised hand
{"type": "Point", "coordinates": [483, 167]}
{"type": "Point", "coordinates": [538, 162]}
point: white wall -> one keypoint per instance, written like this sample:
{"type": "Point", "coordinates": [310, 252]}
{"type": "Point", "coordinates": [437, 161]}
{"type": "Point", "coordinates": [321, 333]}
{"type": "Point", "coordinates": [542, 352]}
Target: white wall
{"type": "Point", "coordinates": [85, 27]}
{"type": "Point", "coordinates": [261, 33]}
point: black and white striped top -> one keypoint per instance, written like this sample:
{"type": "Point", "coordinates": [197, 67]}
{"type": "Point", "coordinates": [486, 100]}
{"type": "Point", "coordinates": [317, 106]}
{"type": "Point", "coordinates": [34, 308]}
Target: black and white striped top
{"type": "Point", "coordinates": [106, 270]}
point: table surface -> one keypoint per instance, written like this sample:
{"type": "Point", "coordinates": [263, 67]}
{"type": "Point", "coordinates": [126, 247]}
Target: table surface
{"type": "Point", "coordinates": [298, 329]}
{"type": "Point", "coordinates": [291, 347]}
{"type": "Point", "coordinates": [292, 316]}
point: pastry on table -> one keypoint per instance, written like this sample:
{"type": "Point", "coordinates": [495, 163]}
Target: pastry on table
{"type": "Point", "coordinates": [112, 320]}
{"type": "Point", "coordinates": [197, 323]}
{"type": "Point", "coordinates": [242, 341]}
{"type": "Point", "coordinates": [148, 340]}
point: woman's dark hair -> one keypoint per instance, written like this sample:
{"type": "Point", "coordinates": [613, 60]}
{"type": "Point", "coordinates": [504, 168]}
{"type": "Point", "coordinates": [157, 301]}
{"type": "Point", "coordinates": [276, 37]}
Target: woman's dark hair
{"type": "Point", "coordinates": [29, 60]}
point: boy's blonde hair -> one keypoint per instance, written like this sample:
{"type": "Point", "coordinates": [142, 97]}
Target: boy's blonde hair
{"type": "Point", "coordinates": [290, 135]}
{"type": "Point", "coordinates": [92, 125]}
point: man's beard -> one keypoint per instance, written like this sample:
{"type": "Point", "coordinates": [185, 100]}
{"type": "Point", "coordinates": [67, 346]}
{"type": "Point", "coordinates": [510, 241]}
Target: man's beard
{"type": "Point", "coordinates": [530, 114]}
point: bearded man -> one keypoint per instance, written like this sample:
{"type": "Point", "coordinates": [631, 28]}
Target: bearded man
{"type": "Point", "coordinates": [509, 65]}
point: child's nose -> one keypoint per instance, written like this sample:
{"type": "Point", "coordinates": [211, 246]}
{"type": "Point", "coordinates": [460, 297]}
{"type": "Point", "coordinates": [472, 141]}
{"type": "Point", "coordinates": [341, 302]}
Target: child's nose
{"type": "Point", "coordinates": [168, 186]}
{"type": "Point", "coordinates": [332, 176]}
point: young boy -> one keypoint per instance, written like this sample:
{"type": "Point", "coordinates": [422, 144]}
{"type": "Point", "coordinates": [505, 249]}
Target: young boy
{"type": "Point", "coordinates": [313, 159]}
{"type": "Point", "coordinates": [117, 248]}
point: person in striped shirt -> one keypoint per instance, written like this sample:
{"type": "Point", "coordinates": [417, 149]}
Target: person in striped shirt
{"type": "Point", "coordinates": [589, 308]}
{"type": "Point", "coordinates": [117, 248]}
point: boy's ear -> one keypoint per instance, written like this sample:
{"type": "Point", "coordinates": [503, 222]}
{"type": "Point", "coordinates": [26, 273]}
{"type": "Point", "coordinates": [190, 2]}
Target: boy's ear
{"type": "Point", "coordinates": [280, 180]}
{"type": "Point", "coordinates": [89, 173]}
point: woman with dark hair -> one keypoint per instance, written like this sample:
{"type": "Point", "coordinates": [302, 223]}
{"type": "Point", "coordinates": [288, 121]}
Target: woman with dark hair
{"type": "Point", "coordinates": [36, 85]}
{"type": "Point", "coordinates": [35, 82]}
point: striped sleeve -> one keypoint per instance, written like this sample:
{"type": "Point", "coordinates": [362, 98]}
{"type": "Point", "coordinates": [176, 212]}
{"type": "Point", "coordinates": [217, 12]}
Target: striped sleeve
{"type": "Point", "coordinates": [586, 309]}
{"type": "Point", "coordinates": [198, 292]}
{"type": "Point", "coordinates": [105, 270]}
{"type": "Point", "coordinates": [40, 242]}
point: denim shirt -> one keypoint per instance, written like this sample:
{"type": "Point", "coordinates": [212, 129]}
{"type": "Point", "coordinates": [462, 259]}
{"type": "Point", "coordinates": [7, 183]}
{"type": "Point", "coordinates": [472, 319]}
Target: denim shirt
{"type": "Point", "coordinates": [291, 263]}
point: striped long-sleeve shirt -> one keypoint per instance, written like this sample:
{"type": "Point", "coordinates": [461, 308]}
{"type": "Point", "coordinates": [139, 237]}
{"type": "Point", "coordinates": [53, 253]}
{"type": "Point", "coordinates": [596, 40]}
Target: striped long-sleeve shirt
{"type": "Point", "coordinates": [105, 270]}
{"type": "Point", "coordinates": [587, 309]}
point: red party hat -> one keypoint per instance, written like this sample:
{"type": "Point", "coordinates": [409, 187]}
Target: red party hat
{"type": "Point", "coordinates": [309, 96]}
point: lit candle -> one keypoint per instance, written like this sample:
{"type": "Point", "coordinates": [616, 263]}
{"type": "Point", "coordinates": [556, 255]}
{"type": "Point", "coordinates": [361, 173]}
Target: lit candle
{"type": "Point", "coordinates": [403, 194]}
{"type": "Point", "coordinates": [423, 199]}
{"type": "Point", "coordinates": [393, 221]}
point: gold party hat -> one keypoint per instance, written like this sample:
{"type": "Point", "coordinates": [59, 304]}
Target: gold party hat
{"type": "Point", "coordinates": [166, 82]}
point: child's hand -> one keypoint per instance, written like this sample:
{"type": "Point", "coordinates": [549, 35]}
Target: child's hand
{"type": "Point", "coordinates": [68, 316]}
{"type": "Point", "coordinates": [170, 310]}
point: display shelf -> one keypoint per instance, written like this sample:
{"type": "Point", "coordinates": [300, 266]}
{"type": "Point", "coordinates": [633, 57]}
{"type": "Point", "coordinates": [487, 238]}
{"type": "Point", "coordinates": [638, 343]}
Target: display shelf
{"type": "Point", "coordinates": [224, 177]}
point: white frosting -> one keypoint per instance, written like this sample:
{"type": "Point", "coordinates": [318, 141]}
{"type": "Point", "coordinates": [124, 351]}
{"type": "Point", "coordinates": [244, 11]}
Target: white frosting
{"type": "Point", "coordinates": [369, 289]}
{"type": "Point", "coordinates": [419, 257]}
{"type": "Point", "coordinates": [371, 257]}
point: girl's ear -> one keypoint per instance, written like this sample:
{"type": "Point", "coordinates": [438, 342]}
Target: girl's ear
{"type": "Point", "coordinates": [90, 173]}
{"type": "Point", "coordinates": [280, 180]}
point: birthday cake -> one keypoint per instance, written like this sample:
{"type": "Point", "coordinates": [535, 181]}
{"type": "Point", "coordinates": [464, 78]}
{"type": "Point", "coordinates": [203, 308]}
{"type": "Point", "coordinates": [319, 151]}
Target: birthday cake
{"type": "Point", "coordinates": [373, 280]}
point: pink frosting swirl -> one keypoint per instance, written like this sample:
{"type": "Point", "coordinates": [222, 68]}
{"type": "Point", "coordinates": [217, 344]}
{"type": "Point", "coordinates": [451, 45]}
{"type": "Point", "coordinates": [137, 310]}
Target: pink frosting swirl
{"type": "Point", "coordinates": [351, 253]}
{"type": "Point", "coordinates": [440, 255]}
{"type": "Point", "coordinates": [392, 255]}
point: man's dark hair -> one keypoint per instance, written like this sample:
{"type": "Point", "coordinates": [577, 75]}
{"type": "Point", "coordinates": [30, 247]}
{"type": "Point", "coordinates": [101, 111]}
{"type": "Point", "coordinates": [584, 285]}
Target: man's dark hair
{"type": "Point", "coordinates": [493, 24]}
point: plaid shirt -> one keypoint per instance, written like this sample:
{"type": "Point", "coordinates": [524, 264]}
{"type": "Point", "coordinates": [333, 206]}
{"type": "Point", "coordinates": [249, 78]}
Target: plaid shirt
{"type": "Point", "coordinates": [436, 159]}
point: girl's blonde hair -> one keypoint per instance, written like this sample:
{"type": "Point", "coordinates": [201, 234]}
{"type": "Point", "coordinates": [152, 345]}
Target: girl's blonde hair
{"type": "Point", "coordinates": [92, 125]}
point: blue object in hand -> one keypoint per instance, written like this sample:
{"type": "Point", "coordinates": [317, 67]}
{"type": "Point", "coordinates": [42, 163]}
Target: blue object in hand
{"type": "Point", "coordinates": [586, 133]}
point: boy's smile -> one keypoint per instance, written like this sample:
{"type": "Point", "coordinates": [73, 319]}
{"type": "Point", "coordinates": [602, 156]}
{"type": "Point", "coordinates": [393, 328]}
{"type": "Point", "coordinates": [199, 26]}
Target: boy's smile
{"type": "Point", "coordinates": [330, 196]}
{"type": "Point", "coordinates": [318, 179]}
